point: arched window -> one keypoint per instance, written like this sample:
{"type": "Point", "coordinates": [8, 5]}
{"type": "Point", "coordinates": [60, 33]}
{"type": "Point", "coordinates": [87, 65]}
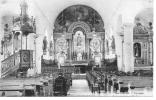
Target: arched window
{"type": "Point", "coordinates": [137, 50]}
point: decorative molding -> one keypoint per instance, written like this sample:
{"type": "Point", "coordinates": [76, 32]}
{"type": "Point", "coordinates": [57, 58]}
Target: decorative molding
{"type": "Point", "coordinates": [77, 24]}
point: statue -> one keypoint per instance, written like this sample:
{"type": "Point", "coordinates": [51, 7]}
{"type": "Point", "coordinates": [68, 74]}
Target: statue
{"type": "Point", "coordinates": [51, 48]}
{"type": "Point", "coordinates": [150, 26]}
{"type": "Point", "coordinates": [6, 28]}
{"type": "Point", "coordinates": [137, 50]}
{"type": "Point", "coordinates": [113, 43]}
{"type": "Point", "coordinates": [45, 45]}
{"type": "Point", "coordinates": [107, 46]}
{"type": "Point", "coordinates": [2, 45]}
{"type": "Point", "coordinates": [79, 40]}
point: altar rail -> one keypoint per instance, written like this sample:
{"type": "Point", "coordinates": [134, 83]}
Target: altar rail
{"type": "Point", "coordinates": [63, 69]}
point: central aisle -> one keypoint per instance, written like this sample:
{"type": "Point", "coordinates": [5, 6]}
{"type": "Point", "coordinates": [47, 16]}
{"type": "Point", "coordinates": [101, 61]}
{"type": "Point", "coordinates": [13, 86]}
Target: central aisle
{"type": "Point", "coordinates": [79, 88]}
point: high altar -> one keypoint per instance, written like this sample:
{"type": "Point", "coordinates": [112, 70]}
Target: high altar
{"type": "Point", "coordinates": [78, 43]}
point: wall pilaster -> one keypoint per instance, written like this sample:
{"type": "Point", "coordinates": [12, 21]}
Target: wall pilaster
{"type": "Point", "coordinates": [128, 48]}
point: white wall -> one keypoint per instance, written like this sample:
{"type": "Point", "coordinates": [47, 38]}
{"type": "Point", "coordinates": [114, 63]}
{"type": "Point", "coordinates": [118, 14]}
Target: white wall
{"type": "Point", "coordinates": [46, 12]}
{"type": "Point", "coordinates": [1, 35]}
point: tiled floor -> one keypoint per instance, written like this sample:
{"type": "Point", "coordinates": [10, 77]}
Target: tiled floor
{"type": "Point", "coordinates": [80, 88]}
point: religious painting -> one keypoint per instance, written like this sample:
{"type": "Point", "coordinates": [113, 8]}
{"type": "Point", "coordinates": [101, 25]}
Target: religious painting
{"type": "Point", "coordinates": [78, 13]}
{"type": "Point", "coordinates": [61, 49]}
{"type": "Point", "coordinates": [61, 46]}
{"type": "Point", "coordinates": [95, 45]}
{"type": "Point", "coordinates": [79, 42]}
{"type": "Point", "coordinates": [97, 60]}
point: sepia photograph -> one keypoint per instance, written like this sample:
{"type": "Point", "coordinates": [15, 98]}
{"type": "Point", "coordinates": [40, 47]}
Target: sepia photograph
{"type": "Point", "coordinates": [76, 48]}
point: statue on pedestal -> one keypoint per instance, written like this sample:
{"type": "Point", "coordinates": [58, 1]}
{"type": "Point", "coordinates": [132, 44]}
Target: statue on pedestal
{"type": "Point", "coordinates": [137, 50]}
{"type": "Point", "coordinates": [45, 42]}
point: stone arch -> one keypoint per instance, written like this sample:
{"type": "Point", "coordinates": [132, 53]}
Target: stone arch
{"type": "Point", "coordinates": [82, 4]}
{"type": "Point", "coordinates": [78, 24]}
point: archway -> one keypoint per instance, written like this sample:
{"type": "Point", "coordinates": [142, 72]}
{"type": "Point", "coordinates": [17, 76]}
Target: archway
{"type": "Point", "coordinates": [81, 27]}
{"type": "Point", "coordinates": [78, 13]}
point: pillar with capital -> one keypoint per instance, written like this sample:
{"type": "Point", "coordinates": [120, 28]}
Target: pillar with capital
{"type": "Point", "coordinates": [128, 47]}
{"type": "Point", "coordinates": [1, 51]}
{"type": "Point", "coordinates": [88, 47]}
{"type": "Point", "coordinates": [103, 45]}
{"type": "Point", "coordinates": [54, 49]}
{"type": "Point", "coordinates": [70, 49]}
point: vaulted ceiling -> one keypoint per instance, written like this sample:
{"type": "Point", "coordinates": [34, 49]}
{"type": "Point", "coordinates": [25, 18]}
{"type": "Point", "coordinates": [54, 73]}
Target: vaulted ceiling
{"type": "Point", "coordinates": [49, 10]}
{"type": "Point", "coordinates": [145, 16]}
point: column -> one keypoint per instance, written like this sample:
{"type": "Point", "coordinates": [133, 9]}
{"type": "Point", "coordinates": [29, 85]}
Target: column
{"type": "Point", "coordinates": [103, 48]}
{"type": "Point", "coordinates": [150, 49]}
{"type": "Point", "coordinates": [151, 53]}
{"type": "Point", "coordinates": [1, 36]}
{"type": "Point", "coordinates": [88, 52]}
{"type": "Point", "coordinates": [72, 49]}
{"type": "Point", "coordinates": [86, 45]}
{"type": "Point", "coordinates": [128, 48]}
{"type": "Point", "coordinates": [70, 46]}
{"type": "Point", "coordinates": [39, 53]}
{"type": "Point", "coordinates": [68, 50]}
{"type": "Point", "coordinates": [54, 49]}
